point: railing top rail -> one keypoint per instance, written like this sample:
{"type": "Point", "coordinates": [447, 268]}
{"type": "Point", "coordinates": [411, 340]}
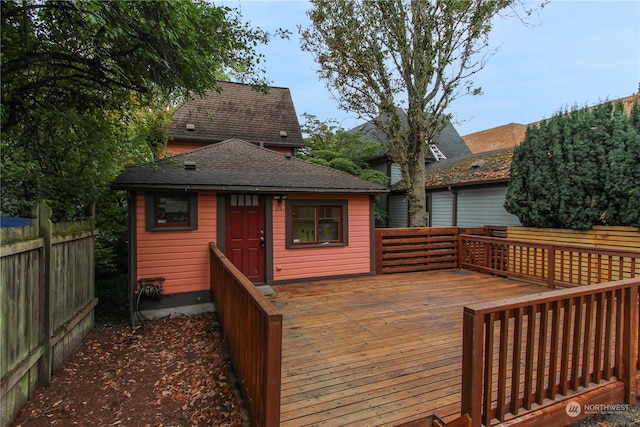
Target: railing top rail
{"type": "Point", "coordinates": [544, 297]}
{"type": "Point", "coordinates": [262, 302]}
{"type": "Point", "coordinates": [582, 248]}
{"type": "Point", "coordinates": [417, 230]}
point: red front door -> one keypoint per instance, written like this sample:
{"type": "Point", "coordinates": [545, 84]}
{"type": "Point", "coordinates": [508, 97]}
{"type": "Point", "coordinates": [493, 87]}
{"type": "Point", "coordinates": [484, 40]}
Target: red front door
{"type": "Point", "coordinates": [245, 244]}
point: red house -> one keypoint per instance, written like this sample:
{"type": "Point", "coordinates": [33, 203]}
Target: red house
{"type": "Point", "coordinates": [276, 217]}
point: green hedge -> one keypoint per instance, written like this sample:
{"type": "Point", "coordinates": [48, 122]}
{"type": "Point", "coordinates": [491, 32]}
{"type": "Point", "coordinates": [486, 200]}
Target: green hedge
{"type": "Point", "coordinates": [578, 169]}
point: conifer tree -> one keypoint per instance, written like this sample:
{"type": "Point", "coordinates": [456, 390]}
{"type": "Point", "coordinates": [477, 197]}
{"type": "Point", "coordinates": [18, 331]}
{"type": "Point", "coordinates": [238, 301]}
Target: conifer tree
{"type": "Point", "coordinates": [578, 169]}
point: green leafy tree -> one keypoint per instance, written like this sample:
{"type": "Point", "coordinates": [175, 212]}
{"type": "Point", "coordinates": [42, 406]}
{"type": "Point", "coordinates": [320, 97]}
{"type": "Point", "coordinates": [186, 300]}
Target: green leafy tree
{"type": "Point", "coordinates": [417, 54]}
{"type": "Point", "coordinates": [330, 145]}
{"type": "Point", "coordinates": [76, 74]}
{"type": "Point", "coordinates": [578, 169]}
{"type": "Point", "coordinates": [85, 89]}
{"type": "Point", "coordinates": [91, 55]}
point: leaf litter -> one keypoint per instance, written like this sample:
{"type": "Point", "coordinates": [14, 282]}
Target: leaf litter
{"type": "Point", "coordinates": [168, 372]}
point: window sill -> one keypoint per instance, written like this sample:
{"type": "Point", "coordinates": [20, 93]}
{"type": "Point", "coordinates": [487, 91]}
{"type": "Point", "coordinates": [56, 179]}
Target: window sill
{"type": "Point", "coordinates": [154, 229]}
{"type": "Point", "coordinates": [315, 245]}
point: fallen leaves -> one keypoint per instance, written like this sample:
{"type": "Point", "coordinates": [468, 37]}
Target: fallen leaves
{"type": "Point", "coordinates": [166, 372]}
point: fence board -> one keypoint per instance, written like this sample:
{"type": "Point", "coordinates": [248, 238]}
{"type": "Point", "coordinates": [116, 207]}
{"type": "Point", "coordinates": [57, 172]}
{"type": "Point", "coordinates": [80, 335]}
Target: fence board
{"type": "Point", "coordinates": [28, 341]}
{"type": "Point", "coordinates": [598, 236]}
{"type": "Point", "coordinates": [400, 250]}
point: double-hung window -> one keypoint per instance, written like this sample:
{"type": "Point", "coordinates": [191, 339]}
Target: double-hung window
{"type": "Point", "coordinates": [171, 211]}
{"type": "Point", "coordinates": [313, 223]}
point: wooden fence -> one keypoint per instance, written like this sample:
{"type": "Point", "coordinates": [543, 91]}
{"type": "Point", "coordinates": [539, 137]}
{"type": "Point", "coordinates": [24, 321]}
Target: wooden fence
{"type": "Point", "coordinates": [46, 299]}
{"type": "Point", "coordinates": [551, 264]}
{"type": "Point", "coordinates": [252, 331]}
{"type": "Point", "coordinates": [537, 354]}
{"type": "Point", "coordinates": [599, 236]}
{"type": "Point", "coordinates": [400, 250]}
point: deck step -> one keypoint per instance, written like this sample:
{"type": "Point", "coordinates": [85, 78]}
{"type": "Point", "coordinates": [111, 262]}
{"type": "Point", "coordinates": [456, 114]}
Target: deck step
{"type": "Point", "coordinates": [436, 421]}
{"type": "Point", "coordinates": [463, 421]}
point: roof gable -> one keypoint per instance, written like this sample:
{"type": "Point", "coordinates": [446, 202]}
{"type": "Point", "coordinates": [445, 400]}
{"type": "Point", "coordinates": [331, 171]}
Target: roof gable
{"type": "Point", "coordinates": [448, 140]}
{"type": "Point", "coordinates": [238, 111]}
{"type": "Point", "coordinates": [237, 165]}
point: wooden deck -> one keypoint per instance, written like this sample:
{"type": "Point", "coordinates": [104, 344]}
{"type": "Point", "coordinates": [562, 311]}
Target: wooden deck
{"type": "Point", "coordinates": [378, 350]}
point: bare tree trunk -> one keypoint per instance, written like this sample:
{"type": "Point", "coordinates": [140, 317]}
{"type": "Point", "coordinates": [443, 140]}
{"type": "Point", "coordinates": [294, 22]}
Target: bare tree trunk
{"type": "Point", "coordinates": [416, 194]}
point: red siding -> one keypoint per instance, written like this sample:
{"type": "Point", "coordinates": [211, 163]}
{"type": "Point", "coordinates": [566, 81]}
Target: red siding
{"type": "Point", "coordinates": [283, 150]}
{"type": "Point", "coordinates": [181, 257]}
{"type": "Point", "coordinates": [326, 261]}
{"type": "Point", "coordinates": [178, 147]}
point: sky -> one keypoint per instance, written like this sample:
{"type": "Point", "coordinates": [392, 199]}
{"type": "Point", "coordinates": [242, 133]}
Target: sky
{"type": "Point", "coordinates": [573, 53]}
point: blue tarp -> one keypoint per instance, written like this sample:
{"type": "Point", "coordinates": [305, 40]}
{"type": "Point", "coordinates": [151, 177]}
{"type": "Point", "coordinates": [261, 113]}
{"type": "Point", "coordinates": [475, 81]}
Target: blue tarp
{"type": "Point", "coordinates": [9, 221]}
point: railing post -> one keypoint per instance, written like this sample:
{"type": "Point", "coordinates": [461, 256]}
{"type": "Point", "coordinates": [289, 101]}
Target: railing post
{"type": "Point", "coordinates": [273, 374]}
{"type": "Point", "coordinates": [472, 360]}
{"type": "Point", "coordinates": [551, 266]}
{"type": "Point", "coordinates": [459, 249]}
{"type": "Point", "coordinates": [378, 250]}
{"type": "Point", "coordinates": [630, 349]}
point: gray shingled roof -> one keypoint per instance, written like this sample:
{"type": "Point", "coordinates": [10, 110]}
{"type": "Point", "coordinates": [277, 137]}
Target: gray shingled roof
{"type": "Point", "coordinates": [449, 140]}
{"type": "Point", "coordinates": [237, 165]}
{"type": "Point", "coordinates": [238, 111]}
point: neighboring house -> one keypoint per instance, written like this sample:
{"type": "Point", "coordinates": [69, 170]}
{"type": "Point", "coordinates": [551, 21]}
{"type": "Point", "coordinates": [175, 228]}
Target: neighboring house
{"type": "Point", "coordinates": [512, 134]}
{"type": "Point", "coordinates": [276, 217]}
{"type": "Point", "coordinates": [449, 147]}
{"type": "Point", "coordinates": [504, 136]}
{"type": "Point", "coordinates": [470, 192]}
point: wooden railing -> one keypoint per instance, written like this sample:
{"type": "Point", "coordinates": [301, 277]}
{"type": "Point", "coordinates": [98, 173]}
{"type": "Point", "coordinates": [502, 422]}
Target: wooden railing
{"type": "Point", "coordinates": [529, 353]}
{"type": "Point", "coordinates": [553, 265]}
{"type": "Point", "coordinates": [401, 250]}
{"type": "Point", "coordinates": [252, 331]}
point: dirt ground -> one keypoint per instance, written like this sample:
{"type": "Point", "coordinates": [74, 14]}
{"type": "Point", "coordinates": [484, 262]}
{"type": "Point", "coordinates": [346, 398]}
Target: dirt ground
{"type": "Point", "coordinates": [169, 372]}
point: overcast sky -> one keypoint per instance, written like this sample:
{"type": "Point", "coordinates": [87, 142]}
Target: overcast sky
{"type": "Point", "coordinates": [576, 53]}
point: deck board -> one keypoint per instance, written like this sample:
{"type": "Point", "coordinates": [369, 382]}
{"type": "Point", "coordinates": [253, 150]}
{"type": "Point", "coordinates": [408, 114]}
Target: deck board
{"type": "Point", "coordinates": [378, 350]}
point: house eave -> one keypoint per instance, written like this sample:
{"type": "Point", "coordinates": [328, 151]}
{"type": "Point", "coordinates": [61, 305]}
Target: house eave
{"type": "Point", "coordinates": [243, 189]}
{"type": "Point", "coordinates": [475, 184]}
{"type": "Point", "coordinates": [204, 139]}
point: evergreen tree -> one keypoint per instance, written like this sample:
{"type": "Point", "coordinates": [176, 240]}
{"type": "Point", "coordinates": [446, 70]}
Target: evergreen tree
{"type": "Point", "coordinates": [578, 169]}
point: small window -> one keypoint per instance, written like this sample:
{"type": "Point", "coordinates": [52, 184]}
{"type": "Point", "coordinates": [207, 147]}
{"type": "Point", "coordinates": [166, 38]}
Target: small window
{"type": "Point", "coordinates": [171, 211]}
{"type": "Point", "coordinates": [245, 200]}
{"type": "Point", "coordinates": [316, 223]}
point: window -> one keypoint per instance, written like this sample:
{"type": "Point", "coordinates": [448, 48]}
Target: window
{"type": "Point", "coordinates": [312, 223]}
{"type": "Point", "coordinates": [171, 211]}
{"type": "Point", "coordinates": [245, 200]}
